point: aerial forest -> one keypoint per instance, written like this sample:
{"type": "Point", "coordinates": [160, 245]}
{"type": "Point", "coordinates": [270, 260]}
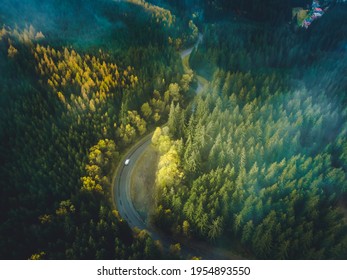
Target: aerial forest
{"type": "Point", "coordinates": [258, 160]}
{"type": "Point", "coordinates": [254, 161]}
{"type": "Point", "coordinates": [69, 107]}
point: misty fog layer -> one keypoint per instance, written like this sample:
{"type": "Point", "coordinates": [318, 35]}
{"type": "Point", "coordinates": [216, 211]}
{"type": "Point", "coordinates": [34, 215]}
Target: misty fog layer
{"type": "Point", "coordinates": [249, 146]}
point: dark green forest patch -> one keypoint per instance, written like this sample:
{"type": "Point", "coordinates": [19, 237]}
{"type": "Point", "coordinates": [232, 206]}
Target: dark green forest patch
{"type": "Point", "coordinates": [76, 92]}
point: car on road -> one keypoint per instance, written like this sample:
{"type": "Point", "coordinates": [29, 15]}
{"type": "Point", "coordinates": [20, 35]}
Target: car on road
{"type": "Point", "coordinates": [126, 162]}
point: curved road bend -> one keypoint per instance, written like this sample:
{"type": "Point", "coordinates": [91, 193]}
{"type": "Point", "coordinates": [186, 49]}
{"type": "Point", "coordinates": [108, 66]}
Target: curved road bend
{"type": "Point", "coordinates": [187, 52]}
{"type": "Point", "coordinates": [124, 204]}
{"type": "Point", "coordinates": [122, 182]}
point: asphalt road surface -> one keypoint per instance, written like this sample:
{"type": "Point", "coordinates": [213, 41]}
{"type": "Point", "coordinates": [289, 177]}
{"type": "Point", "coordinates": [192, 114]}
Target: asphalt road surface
{"type": "Point", "coordinates": [122, 187]}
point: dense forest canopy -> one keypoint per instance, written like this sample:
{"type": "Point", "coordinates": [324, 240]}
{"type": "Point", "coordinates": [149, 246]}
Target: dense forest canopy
{"type": "Point", "coordinates": [258, 159]}
{"type": "Point", "coordinates": [79, 85]}
{"type": "Point", "coordinates": [255, 163]}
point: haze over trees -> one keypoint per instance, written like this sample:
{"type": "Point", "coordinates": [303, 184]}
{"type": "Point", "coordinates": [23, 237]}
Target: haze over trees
{"type": "Point", "coordinates": [256, 159]}
{"type": "Point", "coordinates": [257, 162]}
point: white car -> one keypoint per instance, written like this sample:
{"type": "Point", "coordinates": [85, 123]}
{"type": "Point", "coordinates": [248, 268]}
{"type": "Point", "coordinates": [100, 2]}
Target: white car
{"type": "Point", "coordinates": [126, 162]}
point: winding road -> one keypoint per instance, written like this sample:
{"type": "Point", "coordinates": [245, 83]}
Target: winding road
{"type": "Point", "coordinates": [121, 187]}
{"type": "Point", "coordinates": [121, 191]}
{"type": "Point", "coordinates": [124, 204]}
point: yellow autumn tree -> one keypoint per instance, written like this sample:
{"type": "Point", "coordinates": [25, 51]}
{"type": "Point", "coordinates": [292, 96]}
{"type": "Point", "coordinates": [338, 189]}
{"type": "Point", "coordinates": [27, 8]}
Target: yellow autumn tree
{"type": "Point", "coordinates": [169, 173]}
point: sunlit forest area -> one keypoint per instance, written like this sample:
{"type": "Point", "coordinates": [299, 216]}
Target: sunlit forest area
{"type": "Point", "coordinates": [255, 163]}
